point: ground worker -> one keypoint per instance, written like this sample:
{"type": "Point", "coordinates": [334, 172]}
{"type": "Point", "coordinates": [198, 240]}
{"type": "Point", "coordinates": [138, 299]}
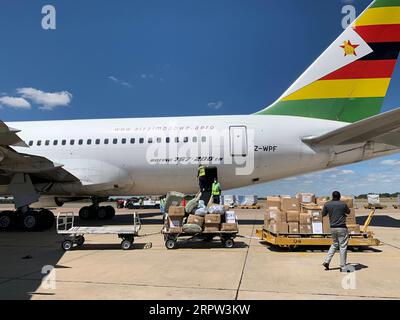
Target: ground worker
{"type": "Point", "coordinates": [216, 192]}
{"type": "Point", "coordinates": [201, 175]}
{"type": "Point", "coordinates": [337, 211]}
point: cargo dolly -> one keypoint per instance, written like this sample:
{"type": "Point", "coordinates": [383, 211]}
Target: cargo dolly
{"type": "Point", "coordinates": [75, 234]}
{"type": "Point", "coordinates": [291, 241]}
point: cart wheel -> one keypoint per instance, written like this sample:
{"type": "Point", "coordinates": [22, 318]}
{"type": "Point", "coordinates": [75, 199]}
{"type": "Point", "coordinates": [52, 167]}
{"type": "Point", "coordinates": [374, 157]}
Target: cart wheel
{"type": "Point", "coordinates": [229, 243]}
{"type": "Point", "coordinates": [80, 241]}
{"type": "Point", "coordinates": [170, 244]}
{"type": "Point", "coordinates": [126, 244]}
{"type": "Point", "coordinates": [67, 245]}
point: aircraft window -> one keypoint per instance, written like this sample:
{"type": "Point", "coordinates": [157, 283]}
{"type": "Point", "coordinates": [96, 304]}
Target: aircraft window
{"type": "Point", "coordinates": [47, 142]}
{"type": "Point", "coordinates": [105, 141]}
{"type": "Point", "coordinates": [97, 141]}
{"type": "Point", "coordinates": [158, 140]}
{"type": "Point", "coordinates": [203, 139]}
{"type": "Point", "coordinates": [123, 141]}
{"type": "Point", "coordinates": [64, 142]}
{"type": "Point", "coordinates": [115, 141]}
{"type": "Point", "coordinates": [186, 139]}
{"type": "Point", "coordinates": [177, 140]}
{"type": "Point", "coordinates": [141, 140]}
{"type": "Point", "coordinates": [80, 142]}
{"type": "Point", "coordinates": [132, 140]}
{"type": "Point", "coordinates": [150, 140]}
{"type": "Point", "coordinates": [89, 141]}
{"type": "Point", "coordinates": [55, 142]}
{"type": "Point", "coordinates": [72, 142]}
{"type": "Point", "coordinates": [167, 140]}
{"type": "Point", "coordinates": [39, 143]}
{"type": "Point", "coordinates": [194, 139]}
{"type": "Point", "coordinates": [31, 143]}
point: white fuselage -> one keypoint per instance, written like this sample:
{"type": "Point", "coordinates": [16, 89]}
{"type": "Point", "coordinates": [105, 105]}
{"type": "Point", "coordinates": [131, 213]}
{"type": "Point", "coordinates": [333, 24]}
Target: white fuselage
{"type": "Point", "coordinates": [245, 149]}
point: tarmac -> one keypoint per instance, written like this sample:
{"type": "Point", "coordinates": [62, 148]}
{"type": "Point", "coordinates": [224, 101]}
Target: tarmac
{"type": "Point", "coordinates": [196, 270]}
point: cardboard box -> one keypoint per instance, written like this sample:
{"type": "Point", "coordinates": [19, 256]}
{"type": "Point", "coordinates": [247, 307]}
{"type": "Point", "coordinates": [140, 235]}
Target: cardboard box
{"type": "Point", "coordinates": [212, 219]}
{"type": "Point", "coordinates": [229, 227]}
{"type": "Point", "coordinates": [316, 215]}
{"type": "Point", "coordinates": [278, 227]}
{"type": "Point", "coordinates": [213, 227]}
{"type": "Point", "coordinates": [351, 220]}
{"type": "Point", "coordinates": [276, 215]}
{"type": "Point", "coordinates": [274, 202]}
{"type": "Point", "coordinates": [293, 216]}
{"type": "Point", "coordinates": [305, 228]}
{"type": "Point", "coordinates": [317, 227]}
{"type": "Point", "coordinates": [349, 200]}
{"type": "Point", "coordinates": [175, 230]}
{"type": "Point", "coordinates": [305, 218]}
{"type": "Point", "coordinates": [354, 228]}
{"type": "Point", "coordinates": [306, 197]}
{"type": "Point", "coordinates": [293, 227]}
{"type": "Point", "coordinates": [290, 204]}
{"type": "Point", "coordinates": [193, 219]}
{"type": "Point", "coordinates": [175, 223]}
{"type": "Point", "coordinates": [176, 212]}
{"type": "Point", "coordinates": [230, 217]}
{"type": "Point", "coordinates": [326, 226]}
{"type": "Point", "coordinates": [322, 200]}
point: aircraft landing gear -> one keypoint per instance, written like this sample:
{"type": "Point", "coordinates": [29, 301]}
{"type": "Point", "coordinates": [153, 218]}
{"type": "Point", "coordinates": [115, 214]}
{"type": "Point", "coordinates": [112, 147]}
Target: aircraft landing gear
{"type": "Point", "coordinates": [96, 212]}
{"type": "Point", "coordinates": [27, 220]}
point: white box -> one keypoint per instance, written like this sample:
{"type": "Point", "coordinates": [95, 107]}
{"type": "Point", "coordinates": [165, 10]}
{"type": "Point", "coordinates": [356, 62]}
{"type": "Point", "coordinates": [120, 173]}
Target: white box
{"type": "Point", "coordinates": [317, 227]}
{"type": "Point", "coordinates": [230, 217]}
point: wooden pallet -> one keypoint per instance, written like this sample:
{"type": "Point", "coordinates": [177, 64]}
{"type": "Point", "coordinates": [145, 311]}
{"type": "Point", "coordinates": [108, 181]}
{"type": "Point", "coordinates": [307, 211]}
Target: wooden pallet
{"type": "Point", "coordinates": [257, 206]}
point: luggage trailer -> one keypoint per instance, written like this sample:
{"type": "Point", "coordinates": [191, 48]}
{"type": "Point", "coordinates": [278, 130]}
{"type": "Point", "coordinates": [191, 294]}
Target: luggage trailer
{"type": "Point", "coordinates": [75, 234]}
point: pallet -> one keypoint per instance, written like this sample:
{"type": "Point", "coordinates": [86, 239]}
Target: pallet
{"type": "Point", "coordinates": [257, 206]}
{"type": "Point", "coordinates": [291, 241]}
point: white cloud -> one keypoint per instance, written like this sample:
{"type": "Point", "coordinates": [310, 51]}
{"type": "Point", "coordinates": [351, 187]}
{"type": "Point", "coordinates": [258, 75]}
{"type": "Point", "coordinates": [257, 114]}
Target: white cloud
{"type": "Point", "coordinates": [215, 105]}
{"type": "Point", "coordinates": [15, 102]}
{"type": "Point", "coordinates": [346, 172]}
{"type": "Point", "coordinates": [46, 100]}
{"type": "Point", "coordinates": [391, 162]}
{"type": "Point", "coordinates": [124, 83]}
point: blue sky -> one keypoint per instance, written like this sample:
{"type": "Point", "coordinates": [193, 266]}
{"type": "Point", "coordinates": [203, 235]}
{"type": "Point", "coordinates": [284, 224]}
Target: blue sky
{"type": "Point", "coordinates": [110, 59]}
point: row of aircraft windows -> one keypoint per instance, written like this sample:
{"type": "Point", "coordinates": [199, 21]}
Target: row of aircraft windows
{"type": "Point", "coordinates": [115, 141]}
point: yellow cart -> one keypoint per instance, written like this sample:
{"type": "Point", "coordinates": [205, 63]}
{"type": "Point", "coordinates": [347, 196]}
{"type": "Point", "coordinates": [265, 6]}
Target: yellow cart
{"type": "Point", "coordinates": [291, 241]}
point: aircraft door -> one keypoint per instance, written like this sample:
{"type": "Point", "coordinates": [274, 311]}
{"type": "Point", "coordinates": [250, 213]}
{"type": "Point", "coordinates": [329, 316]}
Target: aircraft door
{"type": "Point", "coordinates": [238, 141]}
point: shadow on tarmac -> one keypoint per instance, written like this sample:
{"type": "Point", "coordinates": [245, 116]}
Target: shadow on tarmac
{"type": "Point", "coordinates": [380, 221]}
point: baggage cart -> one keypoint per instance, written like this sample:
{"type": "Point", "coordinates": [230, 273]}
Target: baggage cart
{"type": "Point", "coordinates": [74, 235]}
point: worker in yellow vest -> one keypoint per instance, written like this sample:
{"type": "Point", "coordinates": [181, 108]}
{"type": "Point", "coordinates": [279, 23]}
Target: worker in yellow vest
{"type": "Point", "coordinates": [201, 175]}
{"type": "Point", "coordinates": [216, 192]}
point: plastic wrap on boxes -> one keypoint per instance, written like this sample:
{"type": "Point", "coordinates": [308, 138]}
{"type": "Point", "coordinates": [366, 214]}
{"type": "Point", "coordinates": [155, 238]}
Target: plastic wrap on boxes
{"type": "Point", "coordinates": [218, 209]}
{"type": "Point", "coordinates": [201, 212]}
{"type": "Point", "coordinates": [173, 199]}
{"type": "Point", "coordinates": [192, 205]}
{"type": "Point", "coordinates": [191, 228]}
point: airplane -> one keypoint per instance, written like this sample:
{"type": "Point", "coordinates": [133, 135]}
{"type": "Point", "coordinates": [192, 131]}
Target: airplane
{"type": "Point", "coordinates": [330, 116]}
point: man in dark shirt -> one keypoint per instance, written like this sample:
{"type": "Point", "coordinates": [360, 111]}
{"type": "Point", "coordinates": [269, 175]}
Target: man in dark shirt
{"type": "Point", "coordinates": [337, 211]}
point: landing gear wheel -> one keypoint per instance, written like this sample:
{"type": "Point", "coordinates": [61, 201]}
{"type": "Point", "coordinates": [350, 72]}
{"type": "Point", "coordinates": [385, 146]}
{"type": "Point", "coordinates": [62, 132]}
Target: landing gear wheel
{"type": "Point", "coordinates": [30, 221]}
{"type": "Point", "coordinates": [101, 213]}
{"type": "Point", "coordinates": [85, 213]}
{"type": "Point", "coordinates": [170, 244]}
{"type": "Point", "coordinates": [110, 212]}
{"type": "Point", "coordinates": [229, 243]}
{"type": "Point", "coordinates": [80, 241]}
{"type": "Point", "coordinates": [126, 244]}
{"type": "Point", "coordinates": [67, 245]}
{"type": "Point", "coordinates": [6, 221]}
{"type": "Point", "coordinates": [47, 219]}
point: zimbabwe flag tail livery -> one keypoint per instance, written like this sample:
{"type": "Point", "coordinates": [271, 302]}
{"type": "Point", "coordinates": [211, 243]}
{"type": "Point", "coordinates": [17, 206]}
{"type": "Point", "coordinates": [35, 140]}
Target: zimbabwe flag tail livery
{"type": "Point", "coordinates": [349, 81]}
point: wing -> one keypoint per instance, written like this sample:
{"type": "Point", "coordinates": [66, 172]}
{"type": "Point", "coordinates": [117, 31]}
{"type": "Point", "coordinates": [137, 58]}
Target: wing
{"type": "Point", "coordinates": [383, 128]}
{"type": "Point", "coordinates": [40, 169]}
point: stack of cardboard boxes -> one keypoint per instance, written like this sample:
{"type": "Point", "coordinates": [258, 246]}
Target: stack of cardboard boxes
{"type": "Point", "coordinates": [303, 215]}
{"type": "Point", "coordinates": [209, 223]}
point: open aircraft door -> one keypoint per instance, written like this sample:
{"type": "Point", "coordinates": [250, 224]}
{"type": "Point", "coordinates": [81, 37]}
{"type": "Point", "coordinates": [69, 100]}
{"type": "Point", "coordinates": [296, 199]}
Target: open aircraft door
{"type": "Point", "coordinates": [238, 141]}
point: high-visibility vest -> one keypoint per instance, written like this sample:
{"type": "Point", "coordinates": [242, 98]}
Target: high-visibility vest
{"type": "Point", "coordinates": [216, 189]}
{"type": "Point", "coordinates": [202, 171]}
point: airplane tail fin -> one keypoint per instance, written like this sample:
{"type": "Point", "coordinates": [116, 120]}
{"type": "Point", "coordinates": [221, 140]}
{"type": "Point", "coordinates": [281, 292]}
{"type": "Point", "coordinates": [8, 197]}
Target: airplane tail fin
{"type": "Point", "coordinates": [349, 81]}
